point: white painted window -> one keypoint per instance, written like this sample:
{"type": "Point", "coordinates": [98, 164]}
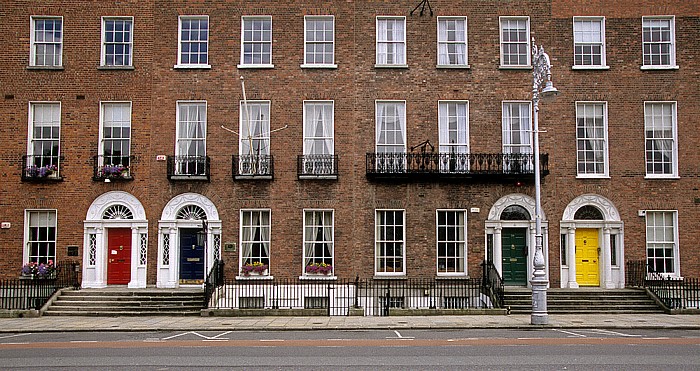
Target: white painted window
{"type": "Point", "coordinates": [592, 139]}
{"type": "Point", "coordinates": [191, 146]}
{"type": "Point", "coordinates": [516, 127]}
{"type": "Point", "coordinates": [318, 128]}
{"type": "Point", "coordinates": [660, 134]}
{"type": "Point", "coordinates": [117, 41]}
{"type": "Point", "coordinates": [319, 41]}
{"type": "Point", "coordinates": [391, 126]}
{"type": "Point", "coordinates": [661, 241]}
{"type": "Point", "coordinates": [115, 135]}
{"type": "Point", "coordinates": [391, 41]}
{"type": "Point", "coordinates": [589, 42]}
{"type": "Point", "coordinates": [44, 137]}
{"type": "Point", "coordinates": [453, 128]}
{"type": "Point", "coordinates": [390, 237]}
{"type": "Point", "coordinates": [515, 41]}
{"type": "Point", "coordinates": [255, 237]}
{"type": "Point", "coordinates": [40, 236]}
{"type": "Point", "coordinates": [256, 41]}
{"type": "Point", "coordinates": [452, 41]}
{"type": "Point", "coordinates": [318, 242]}
{"type": "Point", "coordinates": [193, 41]}
{"type": "Point", "coordinates": [46, 40]}
{"type": "Point", "coordinates": [658, 42]}
{"type": "Point", "coordinates": [451, 242]}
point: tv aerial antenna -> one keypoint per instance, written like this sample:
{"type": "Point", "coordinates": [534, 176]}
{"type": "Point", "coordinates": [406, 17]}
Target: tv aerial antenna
{"type": "Point", "coordinates": [422, 5]}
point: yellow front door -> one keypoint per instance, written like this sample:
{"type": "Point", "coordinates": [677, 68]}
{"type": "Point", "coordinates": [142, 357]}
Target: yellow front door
{"type": "Point", "coordinates": [587, 270]}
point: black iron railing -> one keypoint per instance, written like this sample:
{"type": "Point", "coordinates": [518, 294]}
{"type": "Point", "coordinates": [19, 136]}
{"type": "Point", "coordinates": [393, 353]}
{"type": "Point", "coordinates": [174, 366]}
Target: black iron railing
{"type": "Point", "coordinates": [673, 292]}
{"type": "Point", "coordinates": [215, 279]}
{"type": "Point", "coordinates": [188, 167]}
{"type": "Point", "coordinates": [252, 166]}
{"type": "Point", "coordinates": [41, 168]}
{"type": "Point", "coordinates": [317, 166]}
{"type": "Point", "coordinates": [113, 168]}
{"type": "Point", "coordinates": [339, 297]}
{"type": "Point", "coordinates": [32, 293]}
{"type": "Point", "coordinates": [454, 165]}
{"type": "Point", "coordinates": [492, 283]}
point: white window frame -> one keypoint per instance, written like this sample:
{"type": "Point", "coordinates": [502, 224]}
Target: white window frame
{"type": "Point", "coordinates": [102, 139]}
{"type": "Point", "coordinates": [180, 42]}
{"type": "Point", "coordinates": [445, 44]}
{"type": "Point", "coordinates": [378, 243]}
{"type": "Point", "coordinates": [308, 243]}
{"type": "Point", "coordinates": [525, 129]}
{"type": "Point", "coordinates": [503, 43]}
{"type": "Point", "coordinates": [650, 240]}
{"type": "Point", "coordinates": [580, 141]}
{"type": "Point", "coordinates": [243, 243]}
{"type": "Point", "coordinates": [54, 121]}
{"type": "Point", "coordinates": [264, 136]}
{"type": "Point", "coordinates": [34, 43]}
{"type": "Point", "coordinates": [399, 57]}
{"type": "Point", "coordinates": [379, 125]}
{"type": "Point", "coordinates": [28, 257]}
{"type": "Point", "coordinates": [590, 20]}
{"type": "Point", "coordinates": [328, 138]}
{"type": "Point", "coordinates": [249, 18]}
{"type": "Point", "coordinates": [126, 43]}
{"type": "Point", "coordinates": [672, 44]}
{"type": "Point", "coordinates": [308, 43]}
{"type": "Point", "coordinates": [463, 242]}
{"type": "Point", "coordinates": [180, 138]}
{"type": "Point", "coordinates": [674, 138]}
{"type": "Point", "coordinates": [459, 161]}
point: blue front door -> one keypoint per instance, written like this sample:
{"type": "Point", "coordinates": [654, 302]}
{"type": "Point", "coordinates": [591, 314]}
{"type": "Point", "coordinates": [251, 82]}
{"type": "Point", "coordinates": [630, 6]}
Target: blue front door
{"type": "Point", "coordinates": [191, 255]}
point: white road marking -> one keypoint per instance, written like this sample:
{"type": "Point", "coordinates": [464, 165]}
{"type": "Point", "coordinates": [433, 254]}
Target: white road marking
{"type": "Point", "coordinates": [83, 341]}
{"type": "Point", "coordinates": [608, 332]}
{"type": "Point", "coordinates": [15, 335]}
{"type": "Point", "coordinates": [570, 333]}
{"type": "Point", "coordinates": [200, 335]}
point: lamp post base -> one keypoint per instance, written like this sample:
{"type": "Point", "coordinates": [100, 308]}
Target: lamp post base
{"type": "Point", "coordinates": [539, 302]}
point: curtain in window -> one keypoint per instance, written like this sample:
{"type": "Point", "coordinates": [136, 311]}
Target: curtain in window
{"type": "Point", "coordinates": [391, 133]}
{"type": "Point", "coordinates": [516, 131]}
{"type": "Point", "coordinates": [319, 238]}
{"type": "Point", "coordinates": [250, 220]}
{"type": "Point", "coordinates": [399, 45]}
{"type": "Point", "coordinates": [319, 130]}
{"type": "Point", "coordinates": [254, 135]}
{"type": "Point", "coordinates": [453, 127]}
{"type": "Point", "coordinates": [454, 47]}
{"type": "Point", "coordinates": [381, 44]}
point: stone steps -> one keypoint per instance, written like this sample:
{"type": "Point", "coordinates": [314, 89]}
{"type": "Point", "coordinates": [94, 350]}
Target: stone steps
{"type": "Point", "coordinates": [126, 302]}
{"type": "Point", "coordinates": [573, 301]}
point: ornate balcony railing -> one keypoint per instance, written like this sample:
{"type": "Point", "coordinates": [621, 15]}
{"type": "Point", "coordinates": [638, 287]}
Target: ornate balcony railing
{"type": "Point", "coordinates": [317, 166]}
{"type": "Point", "coordinates": [41, 168]}
{"type": "Point", "coordinates": [252, 166]}
{"type": "Point", "coordinates": [505, 166]}
{"type": "Point", "coordinates": [112, 168]}
{"type": "Point", "coordinates": [188, 167]}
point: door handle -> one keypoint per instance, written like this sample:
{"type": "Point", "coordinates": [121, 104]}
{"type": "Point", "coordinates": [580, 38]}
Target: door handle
{"type": "Point", "coordinates": [584, 260]}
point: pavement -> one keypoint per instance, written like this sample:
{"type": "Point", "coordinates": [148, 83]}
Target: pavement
{"type": "Point", "coordinates": [194, 323]}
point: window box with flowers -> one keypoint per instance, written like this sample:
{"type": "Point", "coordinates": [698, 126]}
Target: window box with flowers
{"type": "Point", "coordinates": [113, 172]}
{"type": "Point", "coordinates": [38, 271]}
{"type": "Point", "coordinates": [254, 269]}
{"type": "Point", "coordinates": [321, 269]}
{"type": "Point", "coordinates": [40, 173]}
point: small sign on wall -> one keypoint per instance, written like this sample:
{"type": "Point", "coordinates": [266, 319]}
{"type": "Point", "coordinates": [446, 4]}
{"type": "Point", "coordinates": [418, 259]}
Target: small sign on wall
{"type": "Point", "coordinates": [230, 247]}
{"type": "Point", "coordinates": [72, 250]}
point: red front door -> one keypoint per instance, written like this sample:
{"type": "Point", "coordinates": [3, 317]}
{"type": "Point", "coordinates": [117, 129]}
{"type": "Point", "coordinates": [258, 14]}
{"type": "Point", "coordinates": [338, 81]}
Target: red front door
{"type": "Point", "coordinates": [118, 256]}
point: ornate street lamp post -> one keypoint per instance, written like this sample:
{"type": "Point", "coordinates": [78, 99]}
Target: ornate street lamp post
{"type": "Point", "coordinates": [541, 74]}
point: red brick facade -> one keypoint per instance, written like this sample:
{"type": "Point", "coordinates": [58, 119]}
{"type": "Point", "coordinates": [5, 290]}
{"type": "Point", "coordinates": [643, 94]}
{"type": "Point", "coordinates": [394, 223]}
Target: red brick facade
{"type": "Point", "coordinates": [154, 86]}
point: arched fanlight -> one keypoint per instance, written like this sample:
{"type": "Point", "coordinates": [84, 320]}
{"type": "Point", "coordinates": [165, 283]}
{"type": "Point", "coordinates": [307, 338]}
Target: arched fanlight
{"type": "Point", "coordinates": [118, 212]}
{"type": "Point", "coordinates": [588, 212]}
{"type": "Point", "coordinates": [515, 212]}
{"type": "Point", "coordinates": [191, 212]}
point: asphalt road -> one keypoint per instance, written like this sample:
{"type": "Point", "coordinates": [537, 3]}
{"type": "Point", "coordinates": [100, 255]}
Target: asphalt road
{"type": "Point", "coordinates": [547, 349]}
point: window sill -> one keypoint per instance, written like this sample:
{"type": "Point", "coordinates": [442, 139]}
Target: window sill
{"type": "Point", "coordinates": [50, 68]}
{"type": "Point", "coordinates": [452, 277]}
{"type": "Point", "coordinates": [502, 67]}
{"type": "Point", "coordinates": [319, 66]}
{"type": "Point", "coordinates": [192, 67]}
{"type": "Point", "coordinates": [591, 68]}
{"type": "Point", "coordinates": [662, 177]}
{"type": "Point", "coordinates": [252, 177]}
{"type": "Point", "coordinates": [252, 66]}
{"type": "Point", "coordinates": [390, 66]}
{"type": "Point", "coordinates": [379, 276]}
{"type": "Point", "coordinates": [660, 68]}
{"type": "Point", "coordinates": [318, 177]}
{"type": "Point", "coordinates": [453, 66]}
{"type": "Point", "coordinates": [127, 68]}
{"type": "Point", "coordinates": [254, 278]}
{"type": "Point", "coordinates": [310, 277]}
{"type": "Point", "coordinates": [189, 177]}
{"type": "Point", "coordinates": [581, 176]}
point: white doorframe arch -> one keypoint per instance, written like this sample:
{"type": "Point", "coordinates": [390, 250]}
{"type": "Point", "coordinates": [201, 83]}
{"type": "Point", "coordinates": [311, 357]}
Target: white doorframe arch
{"type": "Point", "coordinates": [95, 230]}
{"type": "Point", "coordinates": [610, 227]}
{"type": "Point", "coordinates": [168, 237]}
{"type": "Point", "coordinates": [494, 226]}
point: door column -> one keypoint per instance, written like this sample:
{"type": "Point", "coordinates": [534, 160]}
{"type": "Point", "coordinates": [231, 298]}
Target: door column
{"type": "Point", "coordinates": [498, 250]}
{"type": "Point", "coordinates": [571, 252]}
{"type": "Point", "coordinates": [174, 250]}
{"type": "Point", "coordinates": [607, 267]}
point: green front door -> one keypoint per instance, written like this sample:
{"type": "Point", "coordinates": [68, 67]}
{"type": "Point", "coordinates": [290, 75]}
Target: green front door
{"type": "Point", "coordinates": [514, 245]}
